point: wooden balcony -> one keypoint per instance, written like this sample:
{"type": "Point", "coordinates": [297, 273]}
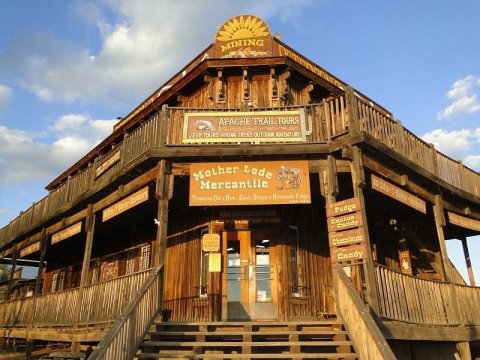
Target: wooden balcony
{"type": "Point", "coordinates": [63, 315]}
{"type": "Point", "coordinates": [336, 120]}
{"type": "Point", "coordinates": [428, 307]}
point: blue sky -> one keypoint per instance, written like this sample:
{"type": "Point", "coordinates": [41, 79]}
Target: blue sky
{"type": "Point", "coordinates": [68, 69]}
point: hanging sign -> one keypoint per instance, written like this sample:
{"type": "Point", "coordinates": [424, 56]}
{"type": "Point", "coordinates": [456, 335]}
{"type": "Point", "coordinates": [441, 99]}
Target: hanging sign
{"type": "Point", "coordinates": [463, 221]}
{"type": "Point", "coordinates": [398, 194]}
{"type": "Point", "coordinates": [250, 183]}
{"type": "Point", "coordinates": [343, 207]}
{"type": "Point", "coordinates": [347, 237]}
{"type": "Point", "coordinates": [123, 205]}
{"type": "Point", "coordinates": [348, 253]}
{"type": "Point", "coordinates": [251, 126]}
{"type": "Point", "coordinates": [66, 233]}
{"type": "Point", "coordinates": [211, 242]}
{"type": "Point", "coordinates": [345, 222]}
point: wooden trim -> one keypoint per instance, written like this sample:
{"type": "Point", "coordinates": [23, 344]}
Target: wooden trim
{"type": "Point", "coordinates": [396, 330]}
{"type": "Point", "coordinates": [358, 178]}
{"type": "Point", "coordinates": [363, 331]}
{"type": "Point", "coordinates": [90, 229]}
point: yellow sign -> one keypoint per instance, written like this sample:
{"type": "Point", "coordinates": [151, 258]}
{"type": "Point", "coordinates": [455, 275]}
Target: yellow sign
{"type": "Point", "coordinates": [405, 262]}
{"type": "Point", "coordinates": [123, 205]}
{"type": "Point", "coordinates": [249, 183]}
{"type": "Point", "coordinates": [66, 233]}
{"type": "Point", "coordinates": [214, 262]}
{"type": "Point", "coordinates": [211, 242]}
{"type": "Point", "coordinates": [398, 194]}
{"type": "Point", "coordinates": [258, 126]}
{"type": "Point", "coordinates": [243, 36]}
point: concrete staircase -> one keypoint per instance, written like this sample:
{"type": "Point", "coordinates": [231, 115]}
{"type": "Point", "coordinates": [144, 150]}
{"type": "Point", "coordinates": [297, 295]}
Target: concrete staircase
{"type": "Point", "coordinates": [248, 340]}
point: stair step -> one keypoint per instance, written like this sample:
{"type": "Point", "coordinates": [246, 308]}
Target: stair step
{"type": "Point", "coordinates": [253, 323]}
{"type": "Point", "coordinates": [253, 333]}
{"type": "Point", "coordinates": [349, 356]}
{"type": "Point", "coordinates": [244, 343]}
{"type": "Point", "coordinates": [325, 339]}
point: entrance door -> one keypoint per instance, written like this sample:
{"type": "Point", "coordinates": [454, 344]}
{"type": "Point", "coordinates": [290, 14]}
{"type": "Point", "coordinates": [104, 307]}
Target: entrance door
{"type": "Point", "coordinates": [249, 275]}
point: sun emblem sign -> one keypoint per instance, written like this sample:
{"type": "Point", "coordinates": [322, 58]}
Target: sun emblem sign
{"type": "Point", "coordinates": [243, 36]}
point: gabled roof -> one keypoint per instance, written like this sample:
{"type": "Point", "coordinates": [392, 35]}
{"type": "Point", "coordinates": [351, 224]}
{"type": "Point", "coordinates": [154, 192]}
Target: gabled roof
{"type": "Point", "coordinates": [244, 40]}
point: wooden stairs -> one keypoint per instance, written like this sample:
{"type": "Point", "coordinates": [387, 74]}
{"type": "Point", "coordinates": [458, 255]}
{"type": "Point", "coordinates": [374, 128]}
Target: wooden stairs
{"type": "Point", "coordinates": [248, 340]}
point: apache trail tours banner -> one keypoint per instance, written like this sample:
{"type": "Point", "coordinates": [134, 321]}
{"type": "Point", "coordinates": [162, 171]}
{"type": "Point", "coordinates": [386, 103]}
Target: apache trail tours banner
{"type": "Point", "coordinates": [249, 183]}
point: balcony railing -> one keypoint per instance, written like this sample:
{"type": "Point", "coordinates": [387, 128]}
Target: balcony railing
{"type": "Point", "coordinates": [329, 121]}
{"type": "Point", "coordinates": [101, 303]}
{"type": "Point", "coordinates": [408, 299]}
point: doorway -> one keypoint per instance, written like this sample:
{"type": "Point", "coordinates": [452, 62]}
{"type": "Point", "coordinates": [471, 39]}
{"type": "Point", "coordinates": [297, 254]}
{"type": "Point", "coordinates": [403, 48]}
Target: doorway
{"type": "Point", "coordinates": [249, 275]}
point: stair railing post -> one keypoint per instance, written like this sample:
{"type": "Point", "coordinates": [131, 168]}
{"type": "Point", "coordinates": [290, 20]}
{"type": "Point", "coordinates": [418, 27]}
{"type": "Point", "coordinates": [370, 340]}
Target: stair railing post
{"type": "Point", "coordinates": [90, 229]}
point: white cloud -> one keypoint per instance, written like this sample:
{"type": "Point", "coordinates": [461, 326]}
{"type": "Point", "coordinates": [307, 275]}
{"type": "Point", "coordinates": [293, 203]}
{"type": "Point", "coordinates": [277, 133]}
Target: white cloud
{"type": "Point", "coordinates": [142, 44]}
{"type": "Point", "coordinates": [457, 144]}
{"type": "Point", "coordinates": [464, 96]}
{"type": "Point", "coordinates": [5, 97]}
{"type": "Point", "coordinates": [24, 157]}
{"type": "Point", "coordinates": [472, 161]}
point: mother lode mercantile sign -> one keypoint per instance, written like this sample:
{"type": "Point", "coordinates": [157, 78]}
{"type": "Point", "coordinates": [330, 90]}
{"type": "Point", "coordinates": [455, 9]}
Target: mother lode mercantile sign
{"type": "Point", "coordinates": [249, 183]}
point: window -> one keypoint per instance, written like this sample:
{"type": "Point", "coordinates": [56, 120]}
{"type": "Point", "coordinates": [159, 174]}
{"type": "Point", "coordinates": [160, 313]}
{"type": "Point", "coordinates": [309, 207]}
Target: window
{"type": "Point", "coordinates": [58, 281]}
{"type": "Point", "coordinates": [297, 277]}
{"type": "Point", "coordinates": [144, 257]}
{"type": "Point", "coordinates": [204, 258]}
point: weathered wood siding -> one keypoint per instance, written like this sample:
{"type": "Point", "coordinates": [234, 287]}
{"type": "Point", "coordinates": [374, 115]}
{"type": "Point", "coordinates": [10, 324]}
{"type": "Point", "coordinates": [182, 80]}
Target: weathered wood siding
{"type": "Point", "coordinates": [182, 271]}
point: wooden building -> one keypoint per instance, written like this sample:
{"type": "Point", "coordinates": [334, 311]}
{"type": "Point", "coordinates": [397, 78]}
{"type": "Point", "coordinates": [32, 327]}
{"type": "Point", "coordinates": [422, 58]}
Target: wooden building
{"type": "Point", "coordinates": [255, 190]}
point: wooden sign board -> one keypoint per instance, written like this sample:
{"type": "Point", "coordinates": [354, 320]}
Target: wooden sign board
{"type": "Point", "coordinates": [67, 232]}
{"type": "Point", "coordinates": [347, 237]}
{"type": "Point", "coordinates": [307, 64]}
{"type": "Point", "coordinates": [348, 253]}
{"type": "Point", "coordinates": [344, 222]}
{"type": "Point", "coordinates": [30, 249]}
{"type": "Point", "coordinates": [250, 183]}
{"type": "Point", "coordinates": [405, 261]}
{"type": "Point", "coordinates": [243, 36]}
{"type": "Point", "coordinates": [108, 163]}
{"type": "Point", "coordinates": [463, 221]}
{"type": "Point", "coordinates": [211, 242]}
{"type": "Point", "coordinates": [343, 207]}
{"type": "Point", "coordinates": [123, 205]}
{"type": "Point", "coordinates": [251, 126]}
{"type": "Point", "coordinates": [398, 194]}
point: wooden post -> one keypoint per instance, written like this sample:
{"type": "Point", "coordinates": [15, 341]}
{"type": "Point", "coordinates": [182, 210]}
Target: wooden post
{"type": "Point", "coordinates": [41, 265]}
{"type": "Point", "coordinates": [15, 252]}
{"type": "Point", "coordinates": [163, 193]}
{"type": "Point", "coordinates": [440, 223]}
{"type": "Point", "coordinates": [463, 349]}
{"type": "Point", "coordinates": [358, 178]}
{"type": "Point", "coordinates": [447, 269]}
{"type": "Point", "coordinates": [466, 253]}
{"type": "Point", "coordinates": [352, 108]}
{"type": "Point", "coordinates": [90, 229]}
{"type": "Point", "coordinates": [43, 250]}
